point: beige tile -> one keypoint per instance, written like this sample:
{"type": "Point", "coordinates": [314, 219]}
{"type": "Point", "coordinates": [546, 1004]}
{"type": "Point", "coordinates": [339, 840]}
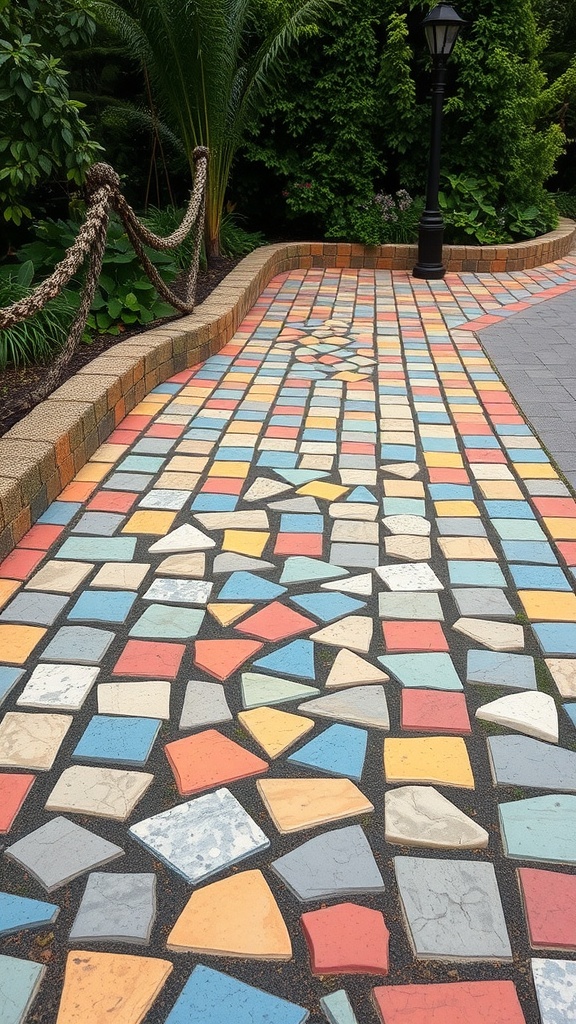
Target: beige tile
{"type": "Point", "coordinates": [120, 575]}
{"type": "Point", "coordinates": [60, 577]}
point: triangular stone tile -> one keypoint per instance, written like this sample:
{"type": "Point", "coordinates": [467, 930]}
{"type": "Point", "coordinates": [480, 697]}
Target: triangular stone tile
{"type": "Point", "coordinates": [214, 998]}
{"type": "Point", "coordinates": [353, 632]}
{"type": "Point", "coordinates": [304, 506]}
{"type": "Point", "coordinates": [229, 562]}
{"type": "Point", "coordinates": [433, 670]}
{"type": "Point", "coordinates": [122, 988]}
{"type": "Point", "coordinates": [221, 658]}
{"type": "Point", "coordinates": [421, 816]}
{"type": "Point", "coordinates": [339, 750]}
{"type": "Point", "coordinates": [407, 470]}
{"type": "Point", "coordinates": [244, 586]}
{"type": "Point", "coordinates": [353, 585]}
{"type": "Point", "coordinates": [337, 863]}
{"type": "Point", "coordinates": [362, 494]}
{"type": "Point", "coordinates": [295, 659]}
{"type": "Point", "coordinates": [185, 538]}
{"type": "Point", "coordinates": [226, 614]}
{"type": "Point", "coordinates": [533, 713]}
{"type": "Point", "coordinates": [296, 804]}
{"type": "Point", "coordinates": [300, 476]}
{"type": "Point", "coordinates": [259, 690]}
{"type": "Point", "coordinates": [237, 917]}
{"type": "Point", "coordinates": [497, 636]}
{"type": "Point", "coordinates": [275, 731]}
{"type": "Point", "coordinates": [204, 704]}
{"type": "Point", "coordinates": [301, 569]}
{"type": "Point", "coordinates": [362, 705]}
{"type": "Point", "coordinates": [351, 670]}
{"type": "Point", "coordinates": [275, 622]}
{"type": "Point", "coordinates": [337, 1008]}
{"type": "Point", "coordinates": [19, 912]}
{"type": "Point", "coordinates": [264, 488]}
{"type": "Point", "coordinates": [327, 607]}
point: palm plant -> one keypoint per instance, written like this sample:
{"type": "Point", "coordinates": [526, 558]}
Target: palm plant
{"type": "Point", "coordinates": [209, 70]}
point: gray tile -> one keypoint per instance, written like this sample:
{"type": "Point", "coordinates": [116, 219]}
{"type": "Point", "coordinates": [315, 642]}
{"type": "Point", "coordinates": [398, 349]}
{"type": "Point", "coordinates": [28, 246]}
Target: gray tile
{"type": "Point", "coordinates": [59, 851]}
{"type": "Point", "coordinates": [128, 482]}
{"type": "Point", "coordinates": [116, 908]}
{"type": "Point", "coordinates": [453, 527]}
{"type": "Point", "coordinates": [523, 761]}
{"type": "Point", "coordinates": [362, 556]}
{"type": "Point", "coordinates": [204, 704]}
{"type": "Point", "coordinates": [166, 499]}
{"type": "Point", "coordinates": [80, 645]}
{"type": "Point", "coordinates": [99, 524]}
{"type": "Point", "coordinates": [335, 864]}
{"type": "Point", "coordinates": [34, 608]}
{"type": "Point", "coordinates": [489, 602]}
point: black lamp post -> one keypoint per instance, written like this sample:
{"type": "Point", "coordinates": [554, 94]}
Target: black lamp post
{"type": "Point", "coordinates": [442, 28]}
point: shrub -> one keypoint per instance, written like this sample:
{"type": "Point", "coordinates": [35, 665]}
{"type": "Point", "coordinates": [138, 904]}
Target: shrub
{"type": "Point", "coordinates": [39, 338]}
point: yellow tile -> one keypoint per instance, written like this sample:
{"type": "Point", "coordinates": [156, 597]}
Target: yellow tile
{"type": "Point", "coordinates": [467, 509]}
{"type": "Point", "coordinates": [236, 916]}
{"type": "Point", "coordinates": [500, 489]}
{"type": "Point", "coordinates": [443, 460]}
{"type": "Point", "coordinates": [245, 542]}
{"type": "Point", "coordinates": [403, 489]}
{"type": "Point", "coordinates": [240, 427]}
{"type": "Point", "coordinates": [324, 422]}
{"type": "Point", "coordinates": [226, 614]}
{"type": "Point", "coordinates": [295, 804]}
{"type": "Point", "coordinates": [274, 730]}
{"type": "Point", "coordinates": [18, 642]}
{"type": "Point", "coordinates": [475, 548]}
{"type": "Point", "coordinates": [548, 605]}
{"type": "Point", "coordinates": [434, 760]}
{"type": "Point", "coordinates": [109, 452]}
{"type": "Point", "coordinates": [237, 378]}
{"type": "Point", "coordinates": [186, 464]}
{"type": "Point", "coordinates": [230, 469]}
{"type": "Point", "coordinates": [347, 375]}
{"type": "Point", "coordinates": [560, 529]}
{"type": "Point", "coordinates": [153, 522]}
{"type": "Point", "coordinates": [114, 987]}
{"type": "Point", "coordinates": [318, 489]}
{"type": "Point", "coordinates": [144, 409]}
{"type": "Point", "coordinates": [93, 472]}
{"type": "Point", "coordinates": [535, 471]}
{"type": "Point", "coordinates": [7, 589]}
{"type": "Point", "coordinates": [491, 385]}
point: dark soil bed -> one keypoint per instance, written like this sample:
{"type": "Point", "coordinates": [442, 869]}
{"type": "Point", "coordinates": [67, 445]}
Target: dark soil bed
{"type": "Point", "coordinates": [15, 383]}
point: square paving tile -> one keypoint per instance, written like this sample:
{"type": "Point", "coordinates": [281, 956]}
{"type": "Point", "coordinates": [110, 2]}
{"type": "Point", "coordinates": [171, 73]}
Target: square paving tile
{"type": "Point", "coordinates": [117, 740]}
{"type": "Point", "coordinates": [80, 645]}
{"type": "Point", "coordinates": [414, 636]}
{"type": "Point", "coordinates": [60, 851]}
{"type": "Point", "coordinates": [437, 760]}
{"type": "Point", "coordinates": [524, 761]}
{"type": "Point", "coordinates": [176, 591]}
{"type": "Point", "coordinates": [20, 981]}
{"type": "Point", "coordinates": [443, 923]}
{"type": "Point", "coordinates": [60, 687]}
{"type": "Point", "coordinates": [120, 575]}
{"type": "Point", "coordinates": [102, 792]}
{"type": "Point", "coordinates": [166, 622]}
{"type": "Point", "coordinates": [555, 983]}
{"type": "Point", "coordinates": [548, 898]}
{"type": "Point", "coordinates": [14, 789]}
{"type": "Point", "coordinates": [102, 606]}
{"type": "Point", "coordinates": [513, 671]}
{"type": "Point", "coordinates": [210, 759]}
{"type": "Point", "coordinates": [489, 602]}
{"type": "Point", "coordinates": [435, 711]}
{"type": "Point", "coordinates": [17, 642]}
{"type": "Point", "coordinates": [149, 699]}
{"type": "Point", "coordinates": [346, 939]}
{"type": "Point", "coordinates": [460, 1002]}
{"type": "Point", "coordinates": [31, 740]}
{"type": "Point", "coordinates": [34, 608]}
{"type": "Point", "coordinates": [100, 524]}
{"type": "Point", "coordinates": [116, 908]}
{"type": "Point", "coordinates": [60, 577]}
{"type": "Point", "coordinates": [434, 671]}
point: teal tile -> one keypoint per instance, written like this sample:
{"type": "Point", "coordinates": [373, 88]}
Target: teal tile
{"type": "Point", "coordinates": [542, 828]}
{"type": "Point", "coordinates": [301, 569]}
{"type": "Point", "coordinates": [19, 912]}
{"type": "Point", "coordinates": [328, 607]}
{"type": "Point", "coordinates": [98, 549]}
{"type": "Point", "coordinates": [168, 622]}
{"type": "Point", "coordinates": [475, 574]}
{"type": "Point", "coordinates": [426, 671]}
{"type": "Point", "coordinates": [19, 984]}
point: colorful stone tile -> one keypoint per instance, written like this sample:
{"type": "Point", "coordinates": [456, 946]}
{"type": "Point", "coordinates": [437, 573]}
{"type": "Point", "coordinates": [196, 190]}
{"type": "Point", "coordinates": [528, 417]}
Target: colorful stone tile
{"type": "Point", "coordinates": [335, 864]}
{"type": "Point", "coordinates": [275, 622]}
{"type": "Point", "coordinates": [209, 759]}
{"type": "Point", "coordinates": [118, 740]}
{"type": "Point", "coordinates": [363, 705]}
{"type": "Point", "coordinates": [31, 740]}
{"type": "Point", "coordinates": [460, 1002]}
{"type": "Point", "coordinates": [541, 828]}
{"type": "Point", "coordinates": [434, 671]}
{"type": "Point", "coordinates": [436, 760]}
{"type": "Point", "coordinates": [116, 908]}
{"type": "Point", "coordinates": [555, 983]}
{"type": "Point", "coordinates": [498, 636]}
{"type": "Point", "coordinates": [14, 789]}
{"type": "Point", "coordinates": [216, 998]}
{"type": "Point", "coordinates": [18, 913]}
{"type": "Point", "coordinates": [60, 851]}
{"type": "Point", "coordinates": [548, 897]}
{"type": "Point", "coordinates": [421, 816]}
{"type": "Point", "coordinates": [339, 750]}
{"type": "Point", "coordinates": [102, 792]}
{"type": "Point", "coordinates": [346, 939]}
{"type": "Point", "coordinates": [523, 761]}
{"type": "Point", "coordinates": [436, 711]}
{"type": "Point", "coordinates": [20, 982]}
{"type": "Point", "coordinates": [297, 804]}
{"type": "Point", "coordinates": [122, 987]}
{"type": "Point", "coordinates": [81, 645]}
{"type": "Point", "coordinates": [337, 1008]}
{"type": "Point", "coordinates": [18, 642]}
{"type": "Point", "coordinates": [531, 713]}
{"type": "Point", "coordinates": [354, 632]}
{"type": "Point", "coordinates": [513, 671]}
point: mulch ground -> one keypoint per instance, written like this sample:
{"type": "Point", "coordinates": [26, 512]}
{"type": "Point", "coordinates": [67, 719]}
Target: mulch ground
{"type": "Point", "coordinates": [16, 382]}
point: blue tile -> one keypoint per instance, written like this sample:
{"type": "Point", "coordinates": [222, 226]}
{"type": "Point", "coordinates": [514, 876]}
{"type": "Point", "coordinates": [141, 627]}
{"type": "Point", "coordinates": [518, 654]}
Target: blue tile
{"type": "Point", "coordinates": [59, 513]}
{"type": "Point", "coordinates": [508, 429]}
{"type": "Point", "coordinates": [234, 455]}
{"type": "Point", "coordinates": [202, 435]}
{"type": "Point", "coordinates": [329, 436]}
{"type": "Point", "coordinates": [425, 671]}
{"type": "Point", "coordinates": [282, 460]}
{"type": "Point", "coordinates": [117, 739]}
{"type": "Point", "coordinates": [513, 671]}
{"type": "Point", "coordinates": [480, 441]}
{"type": "Point", "coordinates": [432, 417]}
{"type": "Point", "coordinates": [295, 523]}
{"type": "Point", "coordinates": [214, 503]}
{"type": "Point", "coordinates": [362, 494]}
{"type": "Point", "coordinates": [528, 455]}
{"type": "Point", "coordinates": [295, 659]}
{"type": "Point", "coordinates": [539, 577]}
{"type": "Point", "coordinates": [509, 510]}
{"type": "Point", "coordinates": [476, 574]}
{"type": "Point", "coordinates": [556, 637]}
{"type": "Point", "coordinates": [19, 983]}
{"type": "Point", "coordinates": [329, 606]}
{"type": "Point", "coordinates": [570, 710]}
{"type": "Point", "coordinates": [8, 679]}
{"type": "Point", "coordinates": [524, 551]}
{"type": "Point", "coordinates": [451, 492]}
{"type": "Point", "coordinates": [167, 389]}
{"type": "Point", "coordinates": [439, 444]}
{"type": "Point", "coordinates": [339, 750]}
{"type": "Point", "coordinates": [17, 912]}
{"type": "Point", "coordinates": [398, 453]}
{"type": "Point", "coordinates": [245, 586]}
{"type": "Point", "coordinates": [140, 464]}
{"type": "Point", "coordinates": [103, 606]}
{"type": "Point", "coordinates": [404, 506]}
{"type": "Point", "coordinates": [95, 549]}
{"type": "Point", "coordinates": [518, 529]}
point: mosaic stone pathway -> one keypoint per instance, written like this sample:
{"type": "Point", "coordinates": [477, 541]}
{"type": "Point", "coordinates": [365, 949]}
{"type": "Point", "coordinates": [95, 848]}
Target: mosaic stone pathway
{"type": "Point", "coordinates": [288, 677]}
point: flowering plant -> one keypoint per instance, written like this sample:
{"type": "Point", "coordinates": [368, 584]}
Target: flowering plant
{"type": "Point", "coordinates": [400, 214]}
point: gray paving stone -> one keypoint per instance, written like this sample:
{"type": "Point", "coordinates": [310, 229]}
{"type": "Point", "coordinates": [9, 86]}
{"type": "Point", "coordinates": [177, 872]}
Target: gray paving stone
{"type": "Point", "coordinates": [337, 863]}
{"type": "Point", "coordinates": [410, 605]}
{"type": "Point", "coordinates": [34, 608]}
{"type": "Point", "coordinates": [545, 488]}
{"type": "Point", "coordinates": [494, 668]}
{"type": "Point", "coordinates": [360, 705]}
{"type": "Point", "coordinates": [452, 527]}
{"type": "Point", "coordinates": [116, 908]}
{"type": "Point", "coordinates": [204, 704]}
{"type": "Point", "coordinates": [135, 482]}
{"type": "Point", "coordinates": [484, 601]}
{"type": "Point", "coordinates": [80, 645]}
{"type": "Point", "coordinates": [59, 851]}
{"type": "Point", "coordinates": [99, 524]}
{"type": "Point", "coordinates": [523, 761]}
{"type": "Point", "coordinates": [453, 909]}
{"type": "Point", "coordinates": [229, 562]}
{"type": "Point", "coordinates": [362, 556]}
{"type": "Point", "coordinates": [305, 506]}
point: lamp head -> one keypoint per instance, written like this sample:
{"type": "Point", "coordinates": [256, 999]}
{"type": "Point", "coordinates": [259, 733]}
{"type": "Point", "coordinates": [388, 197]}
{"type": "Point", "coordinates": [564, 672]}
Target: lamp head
{"type": "Point", "coordinates": [442, 26]}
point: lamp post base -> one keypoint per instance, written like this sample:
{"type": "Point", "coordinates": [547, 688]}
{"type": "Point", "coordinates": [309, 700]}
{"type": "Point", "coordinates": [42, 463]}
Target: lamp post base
{"type": "Point", "coordinates": [430, 239]}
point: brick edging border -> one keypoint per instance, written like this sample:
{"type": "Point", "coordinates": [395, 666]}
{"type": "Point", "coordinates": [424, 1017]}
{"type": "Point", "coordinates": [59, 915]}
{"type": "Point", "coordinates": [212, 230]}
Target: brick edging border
{"type": "Point", "coordinates": [42, 453]}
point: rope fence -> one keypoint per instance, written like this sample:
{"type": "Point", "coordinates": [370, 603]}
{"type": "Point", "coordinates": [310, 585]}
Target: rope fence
{"type": "Point", "coordinates": [104, 195]}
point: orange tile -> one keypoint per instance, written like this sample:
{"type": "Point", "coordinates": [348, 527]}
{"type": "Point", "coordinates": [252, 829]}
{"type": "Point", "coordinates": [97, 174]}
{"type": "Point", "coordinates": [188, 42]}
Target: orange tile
{"type": "Point", "coordinates": [210, 759]}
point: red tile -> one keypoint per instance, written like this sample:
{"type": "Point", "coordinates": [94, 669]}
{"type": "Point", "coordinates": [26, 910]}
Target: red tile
{"type": "Point", "coordinates": [13, 791]}
{"type": "Point", "coordinates": [275, 622]}
{"type": "Point", "coordinates": [357, 448]}
{"type": "Point", "coordinates": [561, 507]}
{"type": "Point", "coordinates": [210, 759]}
{"type": "Point", "coordinates": [148, 659]}
{"type": "Point", "coordinates": [289, 432]}
{"type": "Point", "coordinates": [485, 455]}
{"type": "Point", "coordinates": [221, 403]}
{"type": "Point", "coordinates": [460, 1002]}
{"type": "Point", "coordinates": [567, 549]}
{"type": "Point", "coordinates": [135, 422]}
{"type": "Point", "coordinates": [20, 564]}
{"type": "Point", "coordinates": [549, 899]}
{"type": "Point", "coordinates": [165, 430]}
{"type": "Point", "coordinates": [112, 501]}
{"type": "Point", "coordinates": [222, 485]}
{"type": "Point", "coordinates": [414, 636]}
{"type": "Point", "coordinates": [346, 939]}
{"type": "Point", "coordinates": [299, 544]}
{"type": "Point", "coordinates": [183, 377]}
{"type": "Point", "coordinates": [434, 711]}
{"type": "Point", "coordinates": [448, 476]}
{"type": "Point", "coordinates": [221, 658]}
{"type": "Point", "coordinates": [41, 537]}
{"type": "Point", "coordinates": [123, 436]}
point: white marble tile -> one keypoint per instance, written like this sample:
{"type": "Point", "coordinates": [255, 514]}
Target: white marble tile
{"type": "Point", "coordinates": [418, 576]}
{"type": "Point", "coordinates": [58, 686]}
{"type": "Point", "coordinates": [173, 591]}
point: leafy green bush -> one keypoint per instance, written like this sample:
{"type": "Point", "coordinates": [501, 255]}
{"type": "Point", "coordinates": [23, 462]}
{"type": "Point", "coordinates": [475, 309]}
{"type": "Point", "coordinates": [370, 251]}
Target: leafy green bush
{"type": "Point", "coordinates": [235, 241]}
{"type": "Point", "coordinates": [124, 297]}
{"type": "Point", "coordinates": [38, 339]}
{"type": "Point", "coordinates": [565, 204]}
{"type": "Point", "coordinates": [473, 212]}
